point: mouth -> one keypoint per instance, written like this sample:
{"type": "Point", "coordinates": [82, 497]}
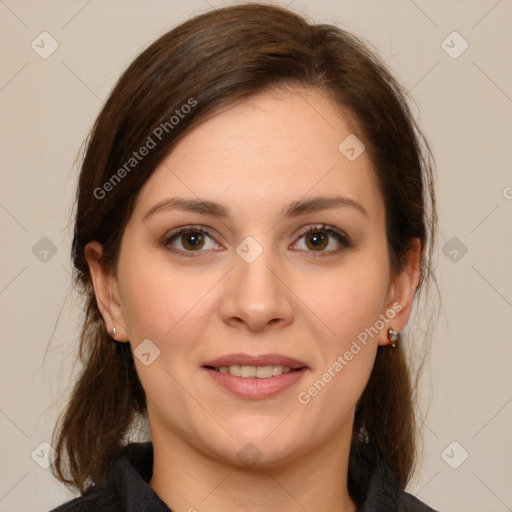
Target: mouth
{"type": "Point", "coordinates": [251, 372]}
{"type": "Point", "coordinates": [255, 377]}
{"type": "Point", "coordinates": [242, 360]}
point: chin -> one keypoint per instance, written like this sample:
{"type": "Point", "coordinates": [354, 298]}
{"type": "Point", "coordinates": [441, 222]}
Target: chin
{"type": "Point", "coordinates": [262, 445]}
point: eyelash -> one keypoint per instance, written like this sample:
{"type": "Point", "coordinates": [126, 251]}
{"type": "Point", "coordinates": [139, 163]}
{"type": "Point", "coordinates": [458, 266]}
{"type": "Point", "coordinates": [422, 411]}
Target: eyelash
{"type": "Point", "coordinates": [330, 230]}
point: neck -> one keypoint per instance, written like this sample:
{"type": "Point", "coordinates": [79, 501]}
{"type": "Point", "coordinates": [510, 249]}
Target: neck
{"type": "Point", "coordinates": [189, 480]}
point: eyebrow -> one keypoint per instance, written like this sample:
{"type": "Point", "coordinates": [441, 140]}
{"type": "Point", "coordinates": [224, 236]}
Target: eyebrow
{"type": "Point", "coordinates": [294, 209]}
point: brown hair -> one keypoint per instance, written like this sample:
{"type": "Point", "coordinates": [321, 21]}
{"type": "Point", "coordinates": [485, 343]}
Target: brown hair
{"type": "Point", "coordinates": [211, 62]}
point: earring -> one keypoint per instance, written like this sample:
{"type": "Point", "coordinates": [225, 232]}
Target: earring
{"type": "Point", "coordinates": [113, 332]}
{"type": "Point", "coordinates": [393, 337]}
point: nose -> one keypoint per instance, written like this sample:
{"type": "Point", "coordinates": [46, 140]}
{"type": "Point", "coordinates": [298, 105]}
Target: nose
{"type": "Point", "coordinates": [256, 295]}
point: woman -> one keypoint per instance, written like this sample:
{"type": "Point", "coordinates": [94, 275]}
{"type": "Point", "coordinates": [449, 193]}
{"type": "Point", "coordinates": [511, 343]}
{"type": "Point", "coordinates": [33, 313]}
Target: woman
{"type": "Point", "coordinates": [255, 218]}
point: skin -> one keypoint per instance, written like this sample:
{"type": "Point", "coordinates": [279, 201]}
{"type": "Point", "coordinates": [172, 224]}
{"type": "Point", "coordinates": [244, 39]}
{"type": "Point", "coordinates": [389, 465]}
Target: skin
{"type": "Point", "coordinates": [294, 299]}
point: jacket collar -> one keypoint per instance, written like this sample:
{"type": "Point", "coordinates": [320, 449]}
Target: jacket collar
{"type": "Point", "coordinates": [127, 484]}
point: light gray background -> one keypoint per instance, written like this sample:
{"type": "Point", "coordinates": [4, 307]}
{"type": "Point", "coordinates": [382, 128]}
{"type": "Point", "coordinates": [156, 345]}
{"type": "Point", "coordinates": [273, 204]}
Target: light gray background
{"type": "Point", "coordinates": [464, 105]}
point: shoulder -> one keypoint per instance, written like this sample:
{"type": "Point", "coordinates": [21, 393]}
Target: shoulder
{"type": "Point", "coordinates": [125, 487]}
{"type": "Point", "coordinates": [125, 484]}
{"type": "Point", "coordinates": [412, 504]}
{"type": "Point", "coordinates": [91, 501]}
{"type": "Point", "coordinates": [377, 487]}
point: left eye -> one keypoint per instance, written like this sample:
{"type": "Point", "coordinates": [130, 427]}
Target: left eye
{"type": "Point", "coordinates": [317, 239]}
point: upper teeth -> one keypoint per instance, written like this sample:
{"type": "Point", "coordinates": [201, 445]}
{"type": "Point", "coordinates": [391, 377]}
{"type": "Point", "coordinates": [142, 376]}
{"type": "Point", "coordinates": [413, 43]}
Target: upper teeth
{"type": "Point", "coordinates": [260, 372]}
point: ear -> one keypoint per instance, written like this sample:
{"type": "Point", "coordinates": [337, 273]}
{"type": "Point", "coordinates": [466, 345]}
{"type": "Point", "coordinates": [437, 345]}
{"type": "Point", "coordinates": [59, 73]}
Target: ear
{"type": "Point", "coordinates": [106, 290]}
{"type": "Point", "coordinates": [401, 293]}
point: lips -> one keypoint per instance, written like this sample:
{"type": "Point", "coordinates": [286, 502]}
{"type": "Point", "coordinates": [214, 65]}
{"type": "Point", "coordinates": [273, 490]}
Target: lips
{"type": "Point", "coordinates": [255, 388]}
{"type": "Point", "coordinates": [234, 373]}
{"type": "Point", "coordinates": [242, 359]}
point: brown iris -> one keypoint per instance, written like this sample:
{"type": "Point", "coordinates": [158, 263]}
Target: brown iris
{"type": "Point", "coordinates": [319, 240]}
{"type": "Point", "coordinates": [192, 240]}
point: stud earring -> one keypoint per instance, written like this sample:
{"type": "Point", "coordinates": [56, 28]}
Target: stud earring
{"type": "Point", "coordinates": [113, 332]}
{"type": "Point", "coordinates": [393, 337]}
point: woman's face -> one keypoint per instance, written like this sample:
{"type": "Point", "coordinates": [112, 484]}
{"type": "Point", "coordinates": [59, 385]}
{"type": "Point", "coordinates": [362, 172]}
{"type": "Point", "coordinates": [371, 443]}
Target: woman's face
{"type": "Point", "coordinates": [215, 271]}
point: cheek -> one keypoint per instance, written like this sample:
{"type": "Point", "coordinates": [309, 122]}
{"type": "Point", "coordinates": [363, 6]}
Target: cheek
{"type": "Point", "coordinates": [347, 311]}
{"type": "Point", "coordinates": [346, 301]}
{"type": "Point", "coordinates": [157, 298]}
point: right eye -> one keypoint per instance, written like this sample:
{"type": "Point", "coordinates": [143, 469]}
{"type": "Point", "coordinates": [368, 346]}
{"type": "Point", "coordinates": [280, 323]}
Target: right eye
{"type": "Point", "coordinates": [192, 240]}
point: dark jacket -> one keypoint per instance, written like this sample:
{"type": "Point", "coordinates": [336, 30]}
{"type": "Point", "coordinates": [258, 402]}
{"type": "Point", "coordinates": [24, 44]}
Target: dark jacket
{"type": "Point", "coordinates": [126, 489]}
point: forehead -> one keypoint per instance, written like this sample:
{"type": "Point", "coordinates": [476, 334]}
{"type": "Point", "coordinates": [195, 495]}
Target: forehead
{"type": "Point", "coordinates": [271, 149]}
